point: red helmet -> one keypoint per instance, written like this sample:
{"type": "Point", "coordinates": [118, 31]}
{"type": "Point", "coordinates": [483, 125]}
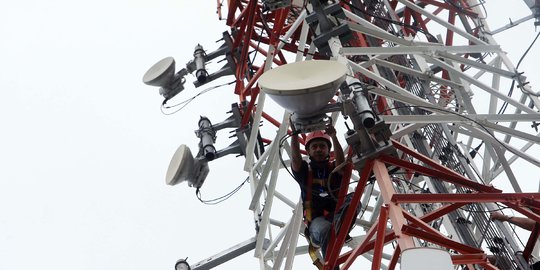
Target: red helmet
{"type": "Point", "coordinates": [318, 135]}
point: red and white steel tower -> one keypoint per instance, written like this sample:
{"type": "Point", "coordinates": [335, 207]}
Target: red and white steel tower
{"type": "Point", "coordinates": [455, 124]}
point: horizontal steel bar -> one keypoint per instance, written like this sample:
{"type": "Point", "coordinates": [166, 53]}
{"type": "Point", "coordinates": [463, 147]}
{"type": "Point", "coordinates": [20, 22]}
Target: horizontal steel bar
{"type": "Point", "coordinates": [452, 118]}
{"type": "Point", "coordinates": [419, 49]}
{"type": "Point", "coordinates": [464, 198]}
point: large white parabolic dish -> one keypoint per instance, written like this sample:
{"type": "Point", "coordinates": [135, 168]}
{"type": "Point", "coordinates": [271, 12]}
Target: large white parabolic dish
{"type": "Point", "coordinates": [303, 87]}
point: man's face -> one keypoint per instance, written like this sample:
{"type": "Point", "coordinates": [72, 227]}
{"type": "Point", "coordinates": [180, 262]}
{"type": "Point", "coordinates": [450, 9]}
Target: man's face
{"type": "Point", "coordinates": [318, 150]}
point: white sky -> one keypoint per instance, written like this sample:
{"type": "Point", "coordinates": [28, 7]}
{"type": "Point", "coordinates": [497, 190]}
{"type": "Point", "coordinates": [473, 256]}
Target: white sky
{"type": "Point", "coordinates": [84, 147]}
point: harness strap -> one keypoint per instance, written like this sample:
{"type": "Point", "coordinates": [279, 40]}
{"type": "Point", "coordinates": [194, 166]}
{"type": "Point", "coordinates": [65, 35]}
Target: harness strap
{"type": "Point", "coordinates": [309, 196]}
{"type": "Point", "coordinates": [313, 254]}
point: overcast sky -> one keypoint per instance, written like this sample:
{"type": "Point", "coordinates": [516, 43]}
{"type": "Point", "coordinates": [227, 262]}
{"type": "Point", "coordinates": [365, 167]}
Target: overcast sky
{"type": "Point", "coordinates": [84, 146]}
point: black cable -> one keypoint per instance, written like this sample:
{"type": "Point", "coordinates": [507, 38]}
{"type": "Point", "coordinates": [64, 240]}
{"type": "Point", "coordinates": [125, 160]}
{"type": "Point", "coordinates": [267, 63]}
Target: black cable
{"type": "Point", "coordinates": [219, 6]}
{"type": "Point", "coordinates": [281, 142]}
{"type": "Point", "coordinates": [485, 211]}
{"type": "Point", "coordinates": [256, 50]}
{"type": "Point", "coordinates": [472, 156]}
{"type": "Point", "coordinates": [418, 29]}
{"type": "Point", "coordinates": [221, 198]}
{"type": "Point", "coordinates": [512, 226]}
{"type": "Point", "coordinates": [454, 113]}
{"type": "Point", "coordinates": [413, 184]}
{"type": "Point", "coordinates": [463, 9]}
{"type": "Point", "coordinates": [482, 2]}
{"type": "Point", "coordinates": [187, 101]}
{"type": "Point", "coordinates": [270, 33]}
{"type": "Point", "coordinates": [505, 104]}
{"type": "Point", "coordinates": [527, 51]}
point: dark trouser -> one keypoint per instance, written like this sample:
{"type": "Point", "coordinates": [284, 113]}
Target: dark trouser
{"type": "Point", "coordinates": [319, 232]}
{"type": "Point", "coordinates": [319, 228]}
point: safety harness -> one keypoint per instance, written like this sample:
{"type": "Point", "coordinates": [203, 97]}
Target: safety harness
{"type": "Point", "coordinates": [308, 215]}
{"type": "Point", "coordinates": [308, 203]}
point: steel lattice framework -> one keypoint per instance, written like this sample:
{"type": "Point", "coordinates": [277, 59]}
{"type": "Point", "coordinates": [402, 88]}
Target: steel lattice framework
{"type": "Point", "coordinates": [461, 116]}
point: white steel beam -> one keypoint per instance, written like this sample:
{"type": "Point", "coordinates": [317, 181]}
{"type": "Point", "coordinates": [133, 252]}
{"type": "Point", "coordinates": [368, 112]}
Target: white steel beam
{"type": "Point", "coordinates": [295, 233]}
{"type": "Point", "coordinates": [513, 158]}
{"type": "Point", "coordinates": [466, 118]}
{"type": "Point", "coordinates": [479, 65]}
{"type": "Point", "coordinates": [481, 85]}
{"type": "Point", "coordinates": [482, 135]}
{"type": "Point", "coordinates": [509, 173]}
{"type": "Point", "coordinates": [427, 76]}
{"type": "Point", "coordinates": [429, 50]}
{"type": "Point", "coordinates": [443, 23]}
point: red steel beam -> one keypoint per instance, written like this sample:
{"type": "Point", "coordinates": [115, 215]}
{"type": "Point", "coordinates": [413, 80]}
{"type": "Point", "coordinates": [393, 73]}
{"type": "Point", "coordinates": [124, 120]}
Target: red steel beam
{"type": "Point", "coordinates": [469, 258]}
{"type": "Point", "coordinates": [379, 241]}
{"type": "Point", "coordinates": [246, 91]}
{"type": "Point", "coordinates": [356, 251]}
{"type": "Point", "coordinates": [480, 259]}
{"type": "Point", "coordinates": [441, 241]}
{"type": "Point", "coordinates": [233, 4]}
{"type": "Point", "coordinates": [251, 105]}
{"type": "Point", "coordinates": [414, 221]}
{"type": "Point", "coordinates": [523, 209]}
{"type": "Point", "coordinates": [486, 266]}
{"type": "Point", "coordinates": [244, 37]}
{"type": "Point", "coordinates": [531, 203]}
{"type": "Point", "coordinates": [427, 160]}
{"type": "Point", "coordinates": [441, 212]}
{"type": "Point", "coordinates": [451, 8]}
{"type": "Point", "coordinates": [527, 251]}
{"type": "Point", "coordinates": [255, 46]}
{"type": "Point", "coordinates": [419, 20]}
{"type": "Point", "coordinates": [390, 236]}
{"type": "Point", "coordinates": [463, 197]}
{"type": "Point", "coordinates": [336, 242]}
{"type": "Point", "coordinates": [395, 257]}
{"type": "Point", "coordinates": [438, 173]}
{"type": "Point", "coordinates": [396, 212]}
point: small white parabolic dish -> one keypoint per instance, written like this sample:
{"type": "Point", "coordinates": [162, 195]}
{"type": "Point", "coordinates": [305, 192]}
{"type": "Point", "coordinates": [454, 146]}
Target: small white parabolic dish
{"type": "Point", "coordinates": [160, 73]}
{"type": "Point", "coordinates": [180, 167]}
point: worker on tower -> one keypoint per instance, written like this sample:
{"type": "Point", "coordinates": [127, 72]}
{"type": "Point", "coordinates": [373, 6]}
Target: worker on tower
{"type": "Point", "coordinates": [319, 183]}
